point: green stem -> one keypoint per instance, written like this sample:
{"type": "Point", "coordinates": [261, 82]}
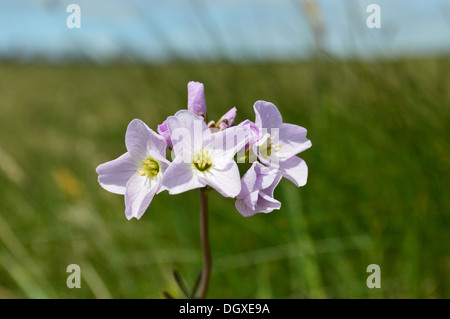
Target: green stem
{"type": "Point", "coordinates": [207, 260]}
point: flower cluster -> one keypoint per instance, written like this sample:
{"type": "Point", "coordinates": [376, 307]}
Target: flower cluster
{"type": "Point", "coordinates": [203, 154]}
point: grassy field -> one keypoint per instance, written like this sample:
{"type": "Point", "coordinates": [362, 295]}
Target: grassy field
{"type": "Point", "coordinates": [377, 191]}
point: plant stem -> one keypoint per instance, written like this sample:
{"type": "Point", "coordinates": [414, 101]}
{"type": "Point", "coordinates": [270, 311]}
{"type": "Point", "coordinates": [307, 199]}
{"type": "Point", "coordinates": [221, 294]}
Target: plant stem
{"type": "Point", "coordinates": [207, 260]}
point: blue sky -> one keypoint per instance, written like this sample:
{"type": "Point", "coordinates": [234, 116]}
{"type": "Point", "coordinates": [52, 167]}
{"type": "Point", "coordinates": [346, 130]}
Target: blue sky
{"type": "Point", "coordinates": [232, 29]}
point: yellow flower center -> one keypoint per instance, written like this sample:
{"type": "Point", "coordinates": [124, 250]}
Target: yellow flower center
{"type": "Point", "coordinates": [202, 160]}
{"type": "Point", "coordinates": [150, 168]}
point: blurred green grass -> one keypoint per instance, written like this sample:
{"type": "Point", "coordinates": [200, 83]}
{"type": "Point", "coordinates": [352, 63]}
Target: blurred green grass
{"type": "Point", "coordinates": [377, 190]}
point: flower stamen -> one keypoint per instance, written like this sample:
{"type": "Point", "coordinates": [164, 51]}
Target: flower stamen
{"type": "Point", "coordinates": [266, 148]}
{"type": "Point", "coordinates": [202, 160]}
{"type": "Point", "coordinates": [150, 168]}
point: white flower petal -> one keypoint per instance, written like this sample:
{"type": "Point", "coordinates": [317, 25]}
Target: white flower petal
{"type": "Point", "coordinates": [295, 169]}
{"type": "Point", "coordinates": [140, 140]}
{"type": "Point", "coordinates": [292, 139]}
{"type": "Point", "coordinates": [248, 181]}
{"type": "Point", "coordinates": [179, 177]}
{"type": "Point", "coordinates": [138, 195]}
{"type": "Point", "coordinates": [187, 131]}
{"type": "Point", "coordinates": [226, 181]}
{"type": "Point", "coordinates": [251, 199]}
{"type": "Point", "coordinates": [266, 203]}
{"type": "Point", "coordinates": [225, 144]}
{"type": "Point", "coordinates": [243, 209]}
{"type": "Point", "coordinates": [114, 175]}
{"type": "Point", "coordinates": [267, 115]}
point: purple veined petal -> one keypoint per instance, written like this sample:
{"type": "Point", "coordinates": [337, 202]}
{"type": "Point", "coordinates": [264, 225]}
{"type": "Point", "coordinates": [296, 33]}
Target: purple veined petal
{"type": "Point", "coordinates": [259, 178]}
{"type": "Point", "coordinates": [187, 131]}
{"type": "Point", "coordinates": [179, 177]}
{"type": "Point", "coordinates": [158, 179]}
{"type": "Point", "coordinates": [257, 187]}
{"type": "Point", "coordinates": [251, 199]}
{"type": "Point", "coordinates": [276, 180]}
{"type": "Point", "coordinates": [196, 98]}
{"type": "Point", "coordinates": [114, 175]}
{"type": "Point", "coordinates": [292, 139]}
{"type": "Point", "coordinates": [140, 139]}
{"type": "Point", "coordinates": [248, 181]}
{"type": "Point", "coordinates": [138, 195]}
{"type": "Point", "coordinates": [243, 209]}
{"type": "Point", "coordinates": [266, 177]}
{"type": "Point", "coordinates": [255, 132]}
{"type": "Point", "coordinates": [267, 115]}
{"type": "Point", "coordinates": [158, 157]}
{"type": "Point", "coordinates": [163, 130]}
{"type": "Point", "coordinates": [226, 181]}
{"type": "Point", "coordinates": [164, 165]}
{"type": "Point", "coordinates": [225, 144]}
{"type": "Point", "coordinates": [267, 204]}
{"type": "Point", "coordinates": [295, 169]}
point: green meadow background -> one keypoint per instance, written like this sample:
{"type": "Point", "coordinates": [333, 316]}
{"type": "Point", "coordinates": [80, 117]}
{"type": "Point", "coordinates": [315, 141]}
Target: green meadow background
{"type": "Point", "coordinates": [377, 191]}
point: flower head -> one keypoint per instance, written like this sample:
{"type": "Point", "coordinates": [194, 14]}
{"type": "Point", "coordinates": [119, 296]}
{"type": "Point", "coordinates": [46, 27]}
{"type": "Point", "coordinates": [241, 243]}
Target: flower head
{"type": "Point", "coordinates": [257, 186]}
{"type": "Point", "coordinates": [203, 158]}
{"type": "Point", "coordinates": [137, 174]}
{"type": "Point", "coordinates": [280, 143]}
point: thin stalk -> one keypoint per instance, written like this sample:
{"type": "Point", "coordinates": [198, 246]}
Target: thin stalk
{"type": "Point", "coordinates": [207, 260]}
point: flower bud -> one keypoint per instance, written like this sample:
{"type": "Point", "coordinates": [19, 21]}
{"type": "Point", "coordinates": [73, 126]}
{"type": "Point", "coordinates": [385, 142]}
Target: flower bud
{"type": "Point", "coordinates": [196, 98]}
{"type": "Point", "coordinates": [164, 132]}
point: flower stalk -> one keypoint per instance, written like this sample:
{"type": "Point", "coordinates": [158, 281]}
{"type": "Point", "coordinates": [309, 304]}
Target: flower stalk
{"type": "Point", "coordinates": [203, 157]}
{"type": "Point", "coordinates": [207, 260]}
